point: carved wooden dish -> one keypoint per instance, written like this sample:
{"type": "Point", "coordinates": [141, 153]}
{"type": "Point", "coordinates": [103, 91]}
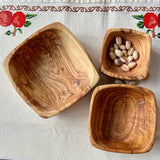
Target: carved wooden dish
{"type": "Point", "coordinates": [51, 70]}
{"type": "Point", "coordinates": [122, 118]}
{"type": "Point", "coordinates": [140, 41]}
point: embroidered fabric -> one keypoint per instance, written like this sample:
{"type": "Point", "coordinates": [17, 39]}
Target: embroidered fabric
{"type": "Point", "coordinates": [67, 8]}
{"type": "Point", "coordinates": [85, 1]}
{"type": "Point", "coordinates": [24, 135]}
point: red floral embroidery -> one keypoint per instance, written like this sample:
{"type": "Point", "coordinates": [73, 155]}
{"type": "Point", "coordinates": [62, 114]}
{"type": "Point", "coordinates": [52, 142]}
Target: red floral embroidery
{"type": "Point", "coordinates": [150, 21]}
{"type": "Point", "coordinates": [5, 18]}
{"type": "Point", "coordinates": [159, 20]}
{"type": "Point", "coordinates": [18, 20]}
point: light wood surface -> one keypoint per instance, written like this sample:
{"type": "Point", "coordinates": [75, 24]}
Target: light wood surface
{"type": "Point", "coordinates": [122, 118]}
{"type": "Point", "coordinates": [140, 41]}
{"type": "Point", "coordinates": [51, 70]}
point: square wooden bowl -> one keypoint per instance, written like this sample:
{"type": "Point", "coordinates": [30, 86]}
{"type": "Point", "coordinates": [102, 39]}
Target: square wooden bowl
{"type": "Point", "coordinates": [140, 41]}
{"type": "Point", "coordinates": [51, 70]}
{"type": "Point", "coordinates": [122, 118]}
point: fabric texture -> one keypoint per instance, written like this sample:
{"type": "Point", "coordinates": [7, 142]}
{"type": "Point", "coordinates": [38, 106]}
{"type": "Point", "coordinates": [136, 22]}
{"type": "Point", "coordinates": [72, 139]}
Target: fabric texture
{"type": "Point", "coordinates": [26, 136]}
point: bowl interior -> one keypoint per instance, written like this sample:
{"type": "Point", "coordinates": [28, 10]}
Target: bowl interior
{"type": "Point", "coordinates": [123, 119]}
{"type": "Point", "coordinates": [140, 41]}
{"type": "Point", "coordinates": [51, 71]}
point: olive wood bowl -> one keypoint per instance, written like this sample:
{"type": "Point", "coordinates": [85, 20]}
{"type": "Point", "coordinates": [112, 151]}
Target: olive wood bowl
{"type": "Point", "coordinates": [140, 41]}
{"type": "Point", "coordinates": [122, 118]}
{"type": "Point", "coordinates": [51, 70]}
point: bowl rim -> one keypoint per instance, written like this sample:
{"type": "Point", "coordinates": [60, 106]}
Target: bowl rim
{"type": "Point", "coordinates": [91, 137]}
{"type": "Point", "coordinates": [117, 75]}
{"type": "Point", "coordinates": [60, 26]}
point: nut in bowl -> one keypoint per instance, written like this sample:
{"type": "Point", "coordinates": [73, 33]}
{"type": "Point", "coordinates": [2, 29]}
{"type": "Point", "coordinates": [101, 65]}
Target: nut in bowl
{"type": "Point", "coordinates": [125, 54]}
{"type": "Point", "coordinates": [122, 118]}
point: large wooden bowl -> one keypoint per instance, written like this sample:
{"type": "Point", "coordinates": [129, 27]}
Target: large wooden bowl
{"type": "Point", "coordinates": [140, 41]}
{"type": "Point", "coordinates": [51, 70]}
{"type": "Point", "coordinates": [122, 118]}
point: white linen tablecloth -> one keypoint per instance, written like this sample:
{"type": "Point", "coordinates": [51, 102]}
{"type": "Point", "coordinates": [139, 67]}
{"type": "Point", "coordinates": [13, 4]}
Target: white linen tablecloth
{"type": "Point", "coordinates": [26, 136]}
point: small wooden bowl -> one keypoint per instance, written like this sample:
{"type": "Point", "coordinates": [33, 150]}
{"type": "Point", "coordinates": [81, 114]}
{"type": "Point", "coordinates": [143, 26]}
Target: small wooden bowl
{"type": "Point", "coordinates": [51, 70]}
{"type": "Point", "coordinates": [140, 41]}
{"type": "Point", "coordinates": [122, 118]}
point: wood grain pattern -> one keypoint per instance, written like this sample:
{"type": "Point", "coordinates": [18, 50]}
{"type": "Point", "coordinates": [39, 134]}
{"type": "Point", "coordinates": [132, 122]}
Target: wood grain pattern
{"type": "Point", "coordinates": [51, 70]}
{"type": "Point", "coordinates": [140, 41]}
{"type": "Point", "coordinates": [122, 118]}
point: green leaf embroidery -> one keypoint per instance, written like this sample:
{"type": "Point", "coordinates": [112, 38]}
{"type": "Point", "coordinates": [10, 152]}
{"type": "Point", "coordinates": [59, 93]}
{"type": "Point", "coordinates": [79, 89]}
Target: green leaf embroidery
{"type": "Point", "coordinates": [27, 24]}
{"type": "Point", "coordinates": [140, 24]}
{"type": "Point", "coordinates": [158, 35]}
{"type": "Point", "coordinates": [20, 31]}
{"type": "Point", "coordinates": [148, 30]}
{"type": "Point", "coordinates": [139, 17]}
{"type": "Point", "coordinates": [8, 33]}
{"type": "Point", "coordinates": [29, 16]}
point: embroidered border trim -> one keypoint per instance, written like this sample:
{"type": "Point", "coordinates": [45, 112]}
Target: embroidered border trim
{"type": "Point", "coordinates": [85, 1]}
{"type": "Point", "coordinates": [80, 9]}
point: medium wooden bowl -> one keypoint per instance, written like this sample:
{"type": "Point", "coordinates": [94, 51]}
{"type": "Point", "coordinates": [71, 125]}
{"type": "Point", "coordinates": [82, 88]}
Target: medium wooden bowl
{"type": "Point", "coordinates": [140, 41]}
{"type": "Point", "coordinates": [51, 70]}
{"type": "Point", "coordinates": [122, 118]}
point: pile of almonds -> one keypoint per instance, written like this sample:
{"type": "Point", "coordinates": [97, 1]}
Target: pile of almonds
{"type": "Point", "coordinates": [124, 56]}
